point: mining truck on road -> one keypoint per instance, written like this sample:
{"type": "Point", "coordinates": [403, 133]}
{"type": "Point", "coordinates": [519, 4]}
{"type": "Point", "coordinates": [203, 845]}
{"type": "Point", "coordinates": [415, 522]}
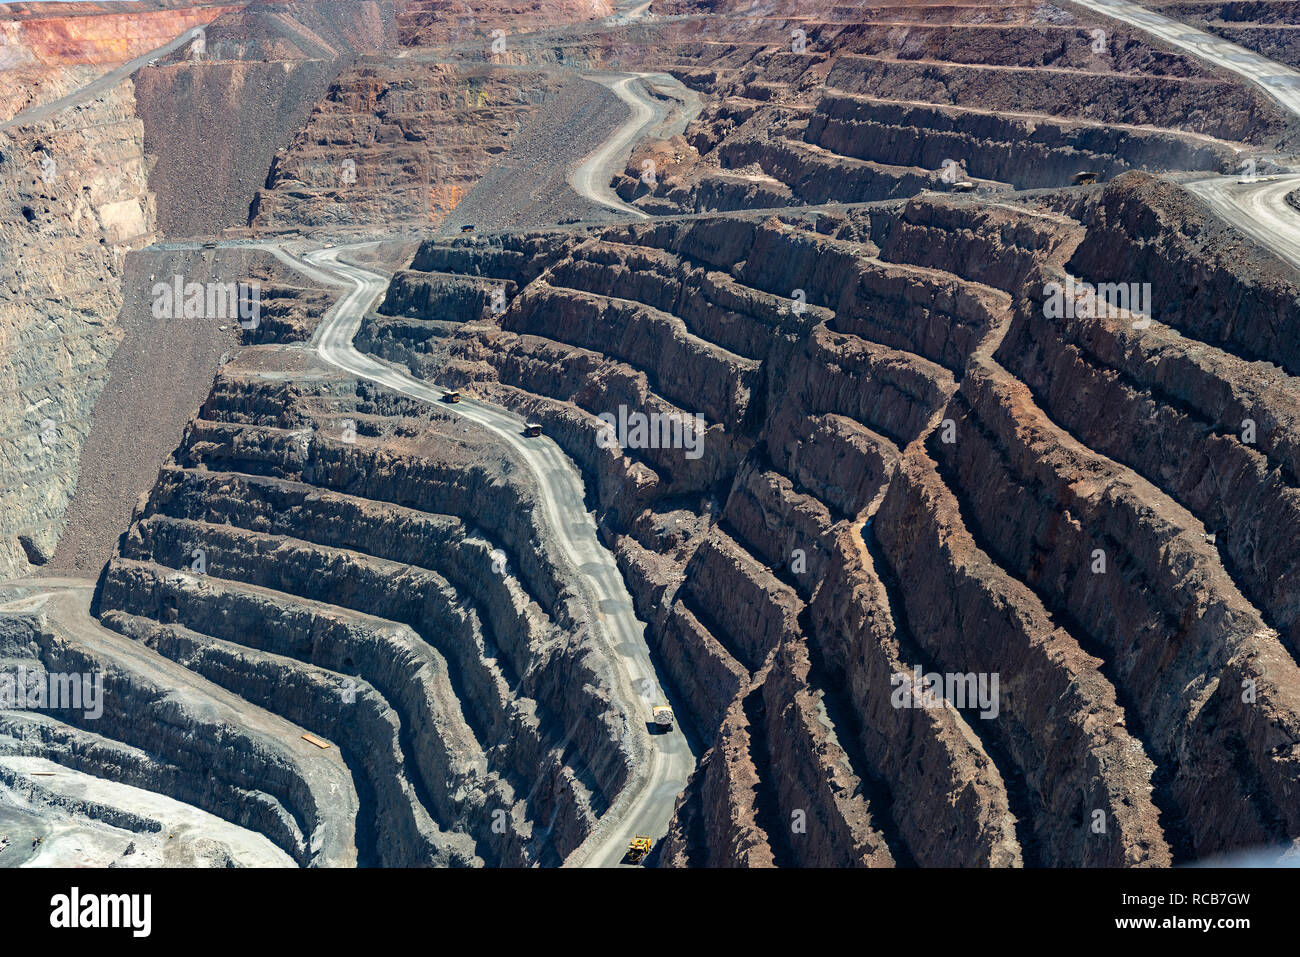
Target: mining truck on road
{"type": "Point", "coordinates": [638, 848]}
{"type": "Point", "coordinates": [663, 716]}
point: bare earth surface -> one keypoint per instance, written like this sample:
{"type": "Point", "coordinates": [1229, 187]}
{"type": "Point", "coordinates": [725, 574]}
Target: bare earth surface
{"type": "Point", "coordinates": [977, 325]}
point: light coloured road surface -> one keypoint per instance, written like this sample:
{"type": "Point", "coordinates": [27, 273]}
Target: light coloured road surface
{"type": "Point", "coordinates": [665, 761]}
{"type": "Point", "coordinates": [649, 116]}
{"type": "Point", "coordinates": [1280, 82]}
{"type": "Point", "coordinates": [98, 87]}
{"type": "Point", "coordinates": [590, 178]}
{"type": "Point", "coordinates": [1259, 210]}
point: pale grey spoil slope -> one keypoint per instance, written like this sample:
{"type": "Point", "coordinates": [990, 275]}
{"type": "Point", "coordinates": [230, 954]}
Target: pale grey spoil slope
{"type": "Point", "coordinates": [527, 186]}
{"type": "Point", "coordinates": [54, 816]}
{"type": "Point", "coordinates": [158, 378]}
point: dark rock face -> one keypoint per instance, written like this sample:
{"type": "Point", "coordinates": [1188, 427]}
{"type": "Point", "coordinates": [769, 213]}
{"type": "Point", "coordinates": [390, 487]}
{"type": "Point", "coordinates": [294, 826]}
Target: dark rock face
{"type": "Point", "coordinates": [1203, 282]}
{"type": "Point", "coordinates": [376, 572]}
{"type": "Point", "coordinates": [855, 110]}
{"type": "Point", "coordinates": [910, 469]}
{"type": "Point", "coordinates": [397, 142]}
{"type": "Point", "coordinates": [933, 574]}
{"type": "Point", "coordinates": [35, 551]}
{"type": "Point", "coordinates": [1025, 153]}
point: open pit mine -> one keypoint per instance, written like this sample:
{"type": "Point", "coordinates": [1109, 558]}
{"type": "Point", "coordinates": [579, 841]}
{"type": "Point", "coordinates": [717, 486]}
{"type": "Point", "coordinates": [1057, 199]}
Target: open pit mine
{"type": "Point", "coordinates": [670, 434]}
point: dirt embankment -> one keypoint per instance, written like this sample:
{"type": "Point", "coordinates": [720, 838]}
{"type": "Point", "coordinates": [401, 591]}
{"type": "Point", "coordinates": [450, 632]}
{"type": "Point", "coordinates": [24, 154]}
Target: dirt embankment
{"type": "Point", "coordinates": [158, 376]}
{"type": "Point", "coordinates": [528, 186]}
{"type": "Point", "coordinates": [214, 117]}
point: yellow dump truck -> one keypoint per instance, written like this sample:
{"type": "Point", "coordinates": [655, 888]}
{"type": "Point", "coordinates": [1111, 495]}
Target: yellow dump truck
{"type": "Point", "coordinates": [453, 397]}
{"type": "Point", "coordinates": [532, 430]}
{"type": "Point", "coordinates": [663, 716]}
{"type": "Point", "coordinates": [638, 848]}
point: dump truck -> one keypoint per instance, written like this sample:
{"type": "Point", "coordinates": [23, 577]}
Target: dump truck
{"type": "Point", "coordinates": [467, 228]}
{"type": "Point", "coordinates": [965, 186]}
{"type": "Point", "coordinates": [453, 397]}
{"type": "Point", "coordinates": [638, 848]}
{"type": "Point", "coordinates": [663, 716]}
{"type": "Point", "coordinates": [532, 430]}
{"type": "Point", "coordinates": [1085, 178]}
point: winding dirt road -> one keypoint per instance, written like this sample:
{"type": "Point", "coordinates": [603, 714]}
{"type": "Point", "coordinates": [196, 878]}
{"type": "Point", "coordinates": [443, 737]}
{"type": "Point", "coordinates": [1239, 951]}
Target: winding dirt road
{"type": "Point", "coordinates": [597, 168]}
{"type": "Point", "coordinates": [1259, 210]}
{"type": "Point", "coordinates": [662, 762]}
